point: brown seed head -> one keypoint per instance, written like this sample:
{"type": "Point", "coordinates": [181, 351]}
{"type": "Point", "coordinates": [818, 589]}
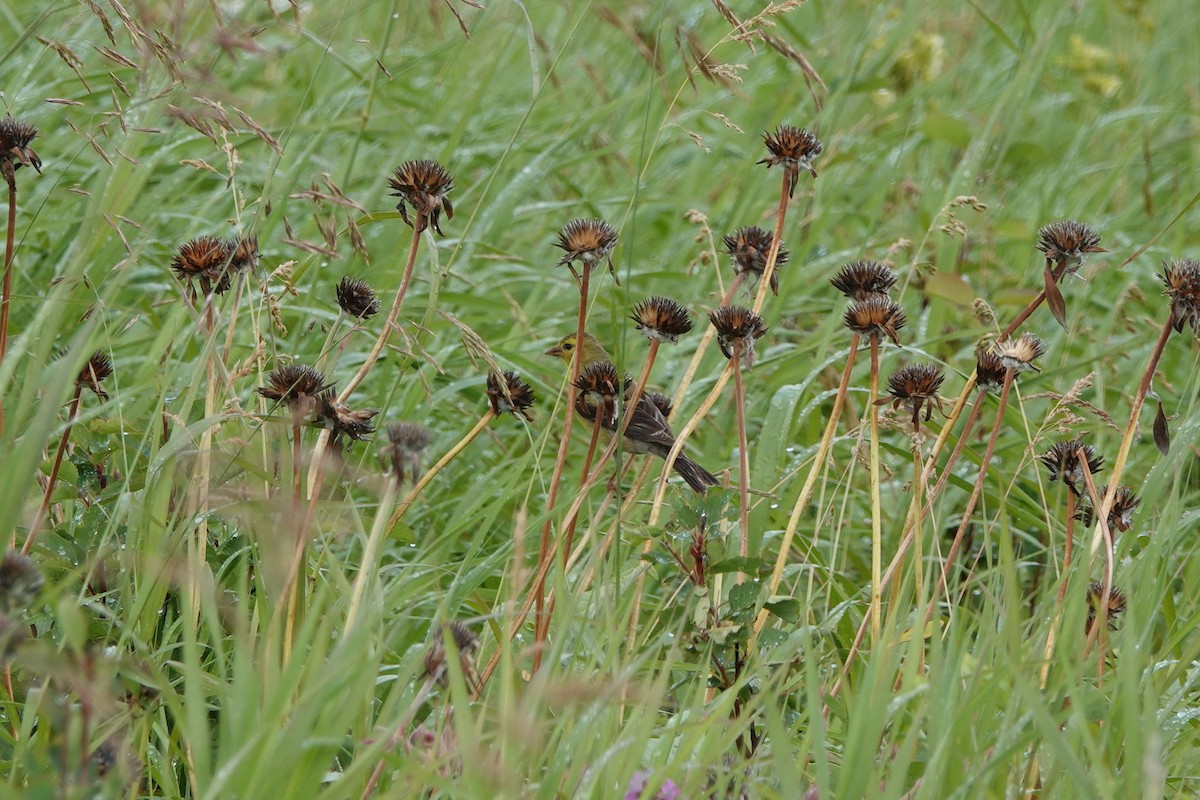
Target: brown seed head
{"type": "Point", "coordinates": [341, 421]}
{"type": "Point", "coordinates": [599, 388]}
{"type": "Point", "coordinates": [750, 247]}
{"type": "Point", "coordinates": [989, 372]}
{"type": "Point", "coordinates": [406, 442]}
{"type": "Point", "coordinates": [20, 582]}
{"type": "Point", "coordinates": [587, 240]}
{"type": "Point", "coordinates": [915, 385]}
{"type": "Point", "coordinates": [15, 152]}
{"type": "Point", "coordinates": [426, 185]}
{"type": "Point", "coordinates": [795, 149]}
{"type": "Point", "coordinates": [1115, 607]}
{"type": "Point", "coordinates": [1120, 516]}
{"type": "Point", "coordinates": [295, 385]}
{"type": "Point", "coordinates": [356, 298]}
{"type": "Point", "coordinates": [1067, 242]}
{"type": "Point", "coordinates": [737, 329]}
{"type": "Point", "coordinates": [859, 280]}
{"type": "Point", "coordinates": [206, 260]}
{"type": "Point", "coordinates": [662, 319]}
{"type": "Point", "coordinates": [1062, 460]}
{"type": "Point", "coordinates": [508, 394]}
{"type": "Point", "coordinates": [467, 645]}
{"type": "Point", "coordinates": [876, 315]}
{"type": "Point", "coordinates": [1019, 354]}
{"type": "Point", "coordinates": [243, 253]}
{"type": "Point", "coordinates": [1181, 278]}
{"type": "Point", "coordinates": [97, 368]}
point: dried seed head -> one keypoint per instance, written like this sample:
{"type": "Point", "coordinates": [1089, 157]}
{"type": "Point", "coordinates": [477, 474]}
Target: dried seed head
{"type": "Point", "coordinates": [356, 298]}
{"type": "Point", "coordinates": [1120, 516]}
{"type": "Point", "coordinates": [467, 645]}
{"type": "Point", "coordinates": [97, 368]}
{"type": "Point", "coordinates": [795, 149]}
{"type": "Point", "coordinates": [876, 315]}
{"type": "Point", "coordinates": [1019, 354]}
{"type": "Point", "coordinates": [661, 402]}
{"type": "Point", "coordinates": [295, 385]}
{"type": "Point", "coordinates": [989, 372]}
{"type": "Point", "coordinates": [243, 253]}
{"type": "Point", "coordinates": [915, 385]}
{"type": "Point", "coordinates": [1182, 279]}
{"type": "Point", "coordinates": [1067, 242]}
{"type": "Point", "coordinates": [426, 185]}
{"type": "Point", "coordinates": [508, 394]}
{"type": "Point", "coordinates": [1115, 607]}
{"type": "Point", "coordinates": [15, 152]}
{"type": "Point", "coordinates": [599, 388]}
{"type": "Point", "coordinates": [737, 330]}
{"type": "Point", "coordinates": [206, 260]}
{"type": "Point", "coordinates": [750, 247]}
{"type": "Point", "coordinates": [662, 319]}
{"type": "Point", "coordinates": [20, 582]}
{"type": "Point", "coordinates": [588, 240]}
{"type": "Point", "coordinates": [341, 421]}
{"type": "Point", "coordinates": [1063, 462]}
{"type": "Point", "coordinates": [406, 442]}
{"type": "Point", "coordinates": [859, 280]}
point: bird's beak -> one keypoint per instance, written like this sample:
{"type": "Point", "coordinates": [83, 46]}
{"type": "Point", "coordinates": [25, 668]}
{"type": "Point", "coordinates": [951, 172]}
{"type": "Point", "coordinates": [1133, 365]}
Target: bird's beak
{"type": "Point", "coordinates": [555, 351]}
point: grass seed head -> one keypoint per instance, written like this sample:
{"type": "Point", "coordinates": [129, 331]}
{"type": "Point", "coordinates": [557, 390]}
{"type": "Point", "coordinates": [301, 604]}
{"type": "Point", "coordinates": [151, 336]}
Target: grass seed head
{"type": "Point", "coordinates": [739, 328]}
{"type": "Point", "coordinates": [356, 298]}
{"type": "Point", "coordinates": [1067, 242]}
{"type": "Point", "coordinates": [20, 582]}
{"type": "Point", "coordinates": [795, 149]}
{"type": "Point", "coordinates": [1181, 277]}
{"type": "Point", "coordinates": [876, 315]}
{"type": "Point", "coordinates": [425, 185]}
{"type": "Point", "coordinates": [508, 394]}
{"type": "Point", "coordinates": [750, 247]}
{"type": "Point", "coordinates": [662, 319]}
{"type": "Point", "coordinates": [858, 280]}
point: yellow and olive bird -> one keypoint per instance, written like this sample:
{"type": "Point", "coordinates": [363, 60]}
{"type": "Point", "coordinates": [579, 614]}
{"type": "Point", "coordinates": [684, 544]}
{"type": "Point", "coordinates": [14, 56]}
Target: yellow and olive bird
{"type": "Point", "coordinates": [648, 430]}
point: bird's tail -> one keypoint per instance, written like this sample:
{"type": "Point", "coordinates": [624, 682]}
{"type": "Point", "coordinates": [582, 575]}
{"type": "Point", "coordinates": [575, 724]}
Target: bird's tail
{"type": "Point", "coordinates": [696, 476]}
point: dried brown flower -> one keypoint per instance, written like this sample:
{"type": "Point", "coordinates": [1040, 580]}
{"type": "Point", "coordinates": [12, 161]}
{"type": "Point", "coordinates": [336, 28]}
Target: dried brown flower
{"type": "Point", "coordinates": [737, 330]}
{"type": "Point", "coordinates": [600, 387]}
{"type": "Point", "coordinates": [989, 372]}
{"type": "Point", "coordinates": [750, 247]}
{"type": "Point", "coordinates": [295, 385]}
{"type": "Point", "coordinates": [1120, 516]}
{"type": "Point", "coordinates": [588, 240]}
{"type": "Point", "coordinates": [794, 148]}
{"type": "Point", "coordinates": [915, 385]}
{"type": "Point", "coordinates": [508, 394]}
{"type": "Point", "coordinates": [206, 260]}
{"type": "Point", "coordinates": [1063, 462]}
{"type": "Point", "coordinates": [1067, 242]}
{"type": "Point", "coordinates": [1115, 607]}
{"type": "Point", "coordinates": [243, 253]}
{"type": "Point", "coordinates": [356, 298]}
{"type": "Point", "coordinates": [426, 185]}
{"type": "Point", "coordinates": [1019, 354]}
{"type": "Point", "coordinates": [97, 368]}
{"type": "Point", "coordinates": [20, 582]}
{"type": "Point", "coordinates": [341, 421]}
{"type": "Point", "coordinates": [406, 442]}
{"type": "Point", "coordinates": [876, 315]}
{"type": "Point", "coordinates": [15, 152]}
{"type": "Point", "coordinates": [1182, 280]}
{"type": "Point", "coordinates": [860, 279]}
{"type": "Point", "coordinates": [467, 645]}
{"type": "Point", "coordinates": [662, 319]}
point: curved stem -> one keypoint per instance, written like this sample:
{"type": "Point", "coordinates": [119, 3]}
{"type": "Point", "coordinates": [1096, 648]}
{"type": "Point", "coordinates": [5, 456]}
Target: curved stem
{"type": "Point", "coordinates": [44, 509]}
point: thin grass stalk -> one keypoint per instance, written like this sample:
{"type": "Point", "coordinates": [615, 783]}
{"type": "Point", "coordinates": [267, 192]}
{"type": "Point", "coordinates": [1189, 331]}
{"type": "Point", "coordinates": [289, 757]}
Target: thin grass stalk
{"type": "Point", "coordinates": [876, 503]}
{"type": "Point", "coordinates": [368, 568]}
{"type": "Point", "coordinates": [449, 456]}
{"type": "Point", "coordinates": [739, 394]}
{"type": "Point", "coordinates": [584, 483]}
{"type": "Point", "coordinates": [968, 426]}
{"type": "Point", "coordinates": [773, 254]}
{"type": "Point", "coordinates": [198, 544]}
{"type": "Point", "coordinates": [919, 527]}
{"type": "Point", "coordinates": [44, 508]}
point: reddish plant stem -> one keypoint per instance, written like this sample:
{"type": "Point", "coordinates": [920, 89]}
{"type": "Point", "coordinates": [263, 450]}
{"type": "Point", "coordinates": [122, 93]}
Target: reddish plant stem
{"type": "Point", "coordinates": [1068, 546]}
{"type": "Point", "coordinates": [876, 504]}
{"type": "Point", "coordinates": [44, 509]}
{"type": "Point", "coordinates": [1032, 307]}
{"type": "Point", "coordinates": [7, 297]}
{"type": "Point", "coordinates": [739, 394]}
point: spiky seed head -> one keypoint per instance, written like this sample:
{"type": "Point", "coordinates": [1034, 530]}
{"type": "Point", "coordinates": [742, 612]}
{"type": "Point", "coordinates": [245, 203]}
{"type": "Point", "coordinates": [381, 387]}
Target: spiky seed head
{"type": "Point", "coordinates": [599, 387]}
{"type": "Point", "coordinates": [662, 319]}
{"type": "Point", "coordinates": [243, 253]}
{"type": "Point", "coordinates": [15, 152]}
{"type": "Point", "coordinates": [467, 644]}
{"type": "Point", "coordinates": [1115, 607]}
{"type": "Point", "coordinates": [794, 148]}
{"type": "Point", "coordinates": [426, 186]}
{"type": "Point", "coordinates": [750, 247]}
{"type": "Point", "coordinates": [1181, 277]}
{"type": "Point", "coordinates": [206, 260]}
{"type": "Point", "coordinates": [1120, 516]}
{"type": "Point", "coordinates": [508, 394]}
{"type": "Point", "coordinates": [297, 386]}
{"type": "Point", "coordinates": [356, 298]}
{"type": "Point", "coordinates": [859, 280]}
{"type": "Point", "coordinates": [1019, 354]}
{"type": "Point", "coordinates": [341, 421]}
{"type": "Point", "coordinates": [738, 328]}
{"type": "Point", "coordinates": [661, 402]}
{"type": "Point", "coordinates": [1067, 242]}
{"type": "Point", "coordinates": [915, 385]}
{"type": "Point", "coordinates": [588, 240]}
{"type": "Point", "coordinates": [97, 368]}
{"type": "Point", "coordinates": [1062, 460]}
{"type": "Point", "coordinates": [989, 372]}
{"type": "Point", "coordinates": [876, 315]}
{"type": "Point", "coordinates": [20, 582]}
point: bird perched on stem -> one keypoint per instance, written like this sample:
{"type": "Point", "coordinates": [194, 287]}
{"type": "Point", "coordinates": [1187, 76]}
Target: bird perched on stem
{"type": "Point", "coordinates": [647, 431]}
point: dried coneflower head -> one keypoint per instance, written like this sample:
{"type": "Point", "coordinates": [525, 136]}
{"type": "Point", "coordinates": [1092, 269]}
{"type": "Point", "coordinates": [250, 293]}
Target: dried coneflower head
{"type": "Point", "coordinates": [1067, 242]}
{"type": "Point", "coordinates": [1181, 277]}
{"type": "Point", "coordinates": [467, 645]}
{"type": "Point", "coordinates": [1120, 516]}
{"type": "Point", "coordinates": [426, 186]}
{"type": "Point", "coordinates": [356, 298]}
{"type": "Point", "coordinates": [243, 253]}
{"type": "Point", "coordinates": [20, 582]}
{"type": "Point", "coordinates": [989, 372]}
{"type": "Point", "coordinates": [1063, 462]}
{"type": "Point", "coordinates": [1114, 608]}
{"type": "Point", "coordinates": [341, 421]}
{"type": "Point", "coordinates": [295, 385]}
{"type": "Point", "coordinates": [600, 387]}
{"type": "Point", "coordinates": [661, 402]}
{"type": "Point", "coordinates": [206, 260]}
{"type": "Point", "coordinates": [794, 148]}
{"type": "Point", "coordinates": [737, 330]}
{"type": "Point", "coordinates": [406, 442]}
{"type": "Point", "coordinates": [588, 240]}
{"type": "Point", "coordinates": [1019, 354]}
{"type": "Point", "coordinates": [508, 394]}
{"type": "Point", "coordinates": [15, 152]}
{"type": "Point", "coordinates": [876, 315]}
{"type": "Point", "coordinates": [662, 319]}
{"type": "Point", "coordinates": [915, 385]}
{"type": "Point", "coordinates": [95, 369]}
{"type": "Point", "coordinates": [858, 280]}
{"type": "Point", "coordinates": [750, 247]}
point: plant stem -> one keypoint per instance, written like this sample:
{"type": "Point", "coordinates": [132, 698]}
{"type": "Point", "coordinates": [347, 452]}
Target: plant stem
{"type": "Point", "coordinates": [739, 394]}
{"type": "Point", "coordinates": [7, 298]}
{"type": "Point", "coordinates": [1029, 309]}
{"type": "Point", "coordinates": [484, 421]}
{"type": "Point", "coordinates": [876, 505]}
{"type": "Point", "coordinates": [44, 509]}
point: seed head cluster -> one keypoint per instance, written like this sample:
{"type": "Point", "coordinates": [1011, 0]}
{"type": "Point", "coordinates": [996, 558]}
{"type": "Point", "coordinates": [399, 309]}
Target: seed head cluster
{"type": "Point", "coordinates": [212, 262]}
{"type": "Point", "coordinates": [876, 315]}
{"type": "Point", "coordinates": [96, 369]}
{"type": "Point", "coordinates": [1019, 354]}
{"type": "Point", "coordinates": [915, 386]}
{"type": "Point", "coordinates": [588, 240]}
{"type": "Point", "coordinates": [405, 443]}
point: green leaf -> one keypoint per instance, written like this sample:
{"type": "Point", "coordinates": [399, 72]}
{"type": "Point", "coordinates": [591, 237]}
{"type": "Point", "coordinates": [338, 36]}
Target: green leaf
{"type": "Point", "coordinates": [787, 609]}
{"type": "Point", "coordinates": [744, 596]}
{"type": "Point", "coordinates": [947, 129]}
{"type": "Point", "coordinates": [750, 565]}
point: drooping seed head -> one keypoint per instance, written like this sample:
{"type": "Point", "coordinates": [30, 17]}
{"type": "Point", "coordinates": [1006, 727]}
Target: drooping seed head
{"type": "Point", "coordinates": [341, 421]}
{"type": "Point", "coordinates": [15, 152]}
{"type": "Point", "coordinates": [859, 280]}
{"type": "Point", "coordinates": [915, 386]}
{"type": "Point", "coordinates": [206, 260]}
{"type": "Point", "coordinates": [795, 149]}
{"type": "Point", "coordinates": [588, 240]}
{"type": "Point", "coordinates": [1067, 242]}
{"type": "Point", "coordinates": [876, 315]}
{"type": "Point", "coordinates": [95, 369]}
{"type": "Point", "coordinates": [508, 394]}
{"type": "Point", "coordinates": [737, 330]}
{"type": "Point", "coordinates": [356, 298]}
{"type": "Point", "coordinates": [1019, 354]}
{"type": "Point", "coordinates": [662, 319]}
{"type": "Point", "coordinates": [426, 186]}
{"type": "Point", "coordinates": [295, 385]}
{"type": "Point", "coordinates": [750, 247]}
{"type": "Point", "coordinates": [1062, 459]}
{"type": "Point", "coordinates": [1181, 277]}
{"type": "Point", "coordinates": [1120, 516]}
{"type": "Point", "coordinates": [406, 442]}
{"type": "Point", "coordinates": [20, 582]}
{"type": "Point", "coordinates": [989, 372]}
{"type": "Point", "coordinates": [1114, 608]}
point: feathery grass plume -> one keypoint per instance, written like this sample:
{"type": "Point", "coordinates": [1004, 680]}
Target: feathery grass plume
{"type": "Point", "coordinates": [356, 298]}
{"type": "Point", "coordinates": [406, 442]}
{"type": "Point", "coordinates": [95, 369]}
{"type": "Point", "coordinates": [876, 315]}
{"type": "Point", "coordinates": [989, 371]}
{"type": "Point", "coordinates": [20, 582]}
{"type": "Point", "coordinates": [858, 280]}
{"type": "Point", "coordinates": [737, 327]}
{"type": "Point", "coordinates": [467, 645]}
{"type": "Point", "coordinates": [1181, 277]}
{"type": "Point", "coordinates": [297, 386]}
{"type": "Point", "coordinates": [662, 319]}
{"type": "Point", "coordinates": [588, 240]}
{"type": "Point", "coordinates": [1066, 243]}
{"type": "Point", "coordinates": [426, 185]}
{"type": "Point", "coordinates": [1062, 459]}
{"type": "Point", "coordinates": [508, 394]}
{"type": "Point", "coordinates": [794, 148]}
{"type": "Point", "coordinates": [206, 260]}
{"type": "Point", "coordinates": [915, 385]}
{"type": "Point", "coordinates": [1114, 608]}
{"type": "Point", "coordinates": [750, 247]}
{"type": "Point", "coordinates": [1019, 354]}
{"type": "Point", "coordinates": [15, 152]}
{"type": "Point", "coordinates": [337, 417]}
{"type": "Point", "coordinates": [1120, 516]}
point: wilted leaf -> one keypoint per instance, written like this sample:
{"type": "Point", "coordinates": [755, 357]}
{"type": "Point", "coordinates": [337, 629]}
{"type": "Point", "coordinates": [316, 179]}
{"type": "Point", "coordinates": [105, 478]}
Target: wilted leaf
{"type": "Point", "coordinates": [1162, 433]}
{"type": "Point", "coordinates": [1054, 299]}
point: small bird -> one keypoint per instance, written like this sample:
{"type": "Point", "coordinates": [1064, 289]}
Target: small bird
{"type": "Point", "coordinates": [648, 430]}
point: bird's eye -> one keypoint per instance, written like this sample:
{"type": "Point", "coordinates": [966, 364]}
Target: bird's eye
{"type": "Point", "coordinates": [568, 346]}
